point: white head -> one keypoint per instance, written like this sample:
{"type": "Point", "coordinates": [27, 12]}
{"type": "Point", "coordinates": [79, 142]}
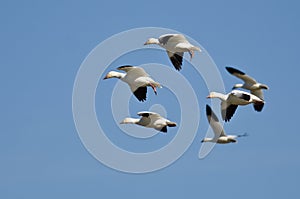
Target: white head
{"type": "Point", "coordinates": [207, 140]}
{"type": "Point", "coordinates": [196, 48]}
{"type": "Point", "coordinates": [263, 86]}
{"type": "Point", "coordinates": [114, 74]}
{"type": "Point", "coordinates": [217, 95]}
{"type": "Point", "coordinates": [237, 86]}
{"type": "Point", "coordinates": [151, 41]}
{"type": "Point", "coordinates": [211, 95]}
{"type": "Point", "coordinates": [130, 121]}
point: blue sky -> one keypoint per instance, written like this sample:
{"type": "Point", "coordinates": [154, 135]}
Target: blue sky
{"type": "Point", "coordinates": [42, 47]}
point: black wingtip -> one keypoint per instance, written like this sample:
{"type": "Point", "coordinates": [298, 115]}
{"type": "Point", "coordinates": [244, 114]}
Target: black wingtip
{"type": "Point", "coordinates": [164, 129]}
{"type": "Point", "coordinates": [141, 93]}
{"type": "Point", "coordinates": [210, 114]}
{"type": "Point", "coordinates": [124, 66]}
{"type": "Point", "coordinates": [208, 110]}
{"type": "Point", "coordinates": [176, 61]}
{"type": "Point", "coordinates": [145, 115]}
{"type": "Point", "coordinates": [230, 112]}
{"type": "Point", "coordinates": [233, 70]}
{"type": "Point", "coordinates": [258, 107]}
{"type": "Point", "coordinates": [227, 118]}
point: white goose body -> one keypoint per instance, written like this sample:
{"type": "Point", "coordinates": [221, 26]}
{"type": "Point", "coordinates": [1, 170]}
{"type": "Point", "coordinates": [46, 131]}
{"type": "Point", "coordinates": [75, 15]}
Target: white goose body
{"type": "Point", "coordinates": [230, 102]}
{"type": "Point", "coordinates": [219, 133]}
{"type": "Point", "coordinates": [136, 78]}
{"type": "Point", "coordinates": [150, 120]}
{"type": "Point", "coordinates": [176, 45]}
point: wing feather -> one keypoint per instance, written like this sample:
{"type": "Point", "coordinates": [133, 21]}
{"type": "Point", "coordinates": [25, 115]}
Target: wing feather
{"type": "Point", "coordinates": [214, 122]}
{"type": "Point", "coordinates": [227, 111]}
{"type": "Point", "coordinates": [176, 59]}
{"type": "Point", "coordinates": [141, 93]}
{"type": "Point", "coordinates": [243, 76]}
{"type": "Point", "coordinates": [172, 38]}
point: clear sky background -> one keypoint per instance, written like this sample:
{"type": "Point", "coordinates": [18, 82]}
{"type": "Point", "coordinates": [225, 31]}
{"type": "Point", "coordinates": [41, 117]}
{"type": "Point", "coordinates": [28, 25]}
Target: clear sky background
{"type": "Point", "coordinates": [42, 45]}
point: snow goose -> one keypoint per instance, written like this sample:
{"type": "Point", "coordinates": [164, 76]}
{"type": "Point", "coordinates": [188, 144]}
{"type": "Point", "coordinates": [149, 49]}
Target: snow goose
{"type": "Point", "coordinates": [231, 101]}
{"type": "Point", "coordinates": [220, 136]}
{"type": "Point", "coordinates": [249, 84]}
{"type": "Point", "coordinates": [136, 78]}
{"type": "Point", "coordinates": [176, 45]}
{"type": "Point", "coordinates": [150, 120]}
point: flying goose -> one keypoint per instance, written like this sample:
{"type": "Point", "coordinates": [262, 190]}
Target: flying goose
{"type": "Point", "coordinates": [231, 101]}
{"type": "Point", "coordinates": [136, 78]}
{"type": "Point", "coordinates": [220, 136]}
{"type": "Point", "coordinates": [249, 84]}
{"type": "Point", "coordinates": [150, 120]}
{"type": "Point", "coordinates": [176, 45]}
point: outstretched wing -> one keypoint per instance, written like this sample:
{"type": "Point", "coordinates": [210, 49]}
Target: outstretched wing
{"type": "Point", "coordinates": [154, 120]}
{"type": "Point", "coordinates": [155, 117]}
{"type": "Point", "coordinates": [164, 129]}
{"type": "Point", "coordinates": [141, 93]}
{"type": "Point", "coordinates": [148, 114]}
{"type": "Point", "coordinates": [164, 39]}
{"type": "Point", "coordinates": [239, 74]}
{"type": "Point", "coordinates": [134, 72]}
{"type": "Point", "coordinates": [227, 111]}
{"type": "Point", "coordinates": [176, 59]}
{"type": "Point", "coordinates": [258, 107]}
{"type": "Point", "coordinates": [172, 38]}
{"type": "Point", "coordinates": [126, 68]}
{"type": "Point", "coordinates": [214, 122]}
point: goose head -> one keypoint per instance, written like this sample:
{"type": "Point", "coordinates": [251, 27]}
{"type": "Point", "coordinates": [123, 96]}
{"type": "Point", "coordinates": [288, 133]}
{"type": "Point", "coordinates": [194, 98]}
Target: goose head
{"type": "Point", "coordinates": [263, 86]}
{"type": "Point", "coordinates": [151, 41]}
{"type": "Point", "coordinates": [113, 74]}
{"type": "Point", "coordinates": [237, 86]}
{"type": "Point", "coordinates": [212, 95]}
{"type": "Point", "coordinates": [206, 140]}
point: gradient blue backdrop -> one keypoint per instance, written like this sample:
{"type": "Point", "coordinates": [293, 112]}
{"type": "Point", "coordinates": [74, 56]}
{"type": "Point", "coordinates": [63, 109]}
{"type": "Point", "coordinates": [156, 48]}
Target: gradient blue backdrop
{"type": "Point", "coordinates": [42, 44]}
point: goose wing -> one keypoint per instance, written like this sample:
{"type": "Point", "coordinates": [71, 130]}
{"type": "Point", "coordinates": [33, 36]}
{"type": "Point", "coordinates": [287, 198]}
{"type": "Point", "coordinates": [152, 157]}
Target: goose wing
{"type": "Point", "coordinates": [133, 71]}
{"type": "Point", "coordinates": [239, 74]}
{"type": "Point", "coordinates": [227, 111]}
{"type": "Point", "coordinates": [164, 39]}
{"type": "Point", "coordinates": [176, 59]}
{"type": "Point", "coordinates": [140, 93]}
{"type": "Point", "coordinates": [126, 68]}
{"type": "Point", "coordinates": [163, 129]}
{"type": "Point", "coordinates": [153, 120]}
{"type": "Point", "coordinates": [172, 38]}
{"type": "Point", "coordinates": [214, 122]}
{"type": "Point", "coordinates": [170, 41]}
{"type": "Point", "coordinates": [156, 119]}
{"type": "Point", "coordinates": [149, 114]}
{"type": "Point", "coordinates": [258, 107]}
{"type": "Point", "coordinates": [133, 74]}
